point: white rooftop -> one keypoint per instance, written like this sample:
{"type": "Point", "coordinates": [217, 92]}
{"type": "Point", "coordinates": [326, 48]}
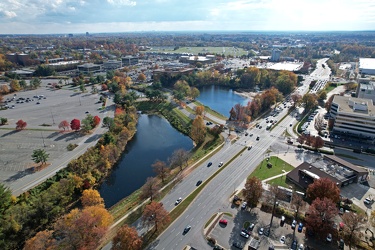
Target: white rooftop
{"type": "Point", "coordinates": [367, 63]}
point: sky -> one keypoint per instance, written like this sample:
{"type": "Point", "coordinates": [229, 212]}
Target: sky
{"type": "Point", "coordinates": [98, 16]}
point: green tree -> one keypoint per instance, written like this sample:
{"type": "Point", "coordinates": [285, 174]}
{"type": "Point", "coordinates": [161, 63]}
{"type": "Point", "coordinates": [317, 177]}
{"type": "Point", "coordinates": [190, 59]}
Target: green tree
{"type": "Point", "coordinates": [35, 82]}
{"type": "Point", "coordinates": [40, 155]}
{"type": "Point", "coordinates": [14, 86]}
{"type": "Point", "coordinates": [23, 84]}
{"type": "Point", "coordinates": [87, 123]}
{"type": "Point", "coordinates": [194, 93]}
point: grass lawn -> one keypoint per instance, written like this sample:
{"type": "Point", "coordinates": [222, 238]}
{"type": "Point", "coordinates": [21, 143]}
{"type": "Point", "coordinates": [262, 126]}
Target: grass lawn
{"type": "Point", "coordinates": [210, 111]}
{"type": "Point", "coordinates": [278, 165]}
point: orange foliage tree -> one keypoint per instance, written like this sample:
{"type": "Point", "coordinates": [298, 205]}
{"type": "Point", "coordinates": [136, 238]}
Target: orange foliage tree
{"type": "Point", "coordinates": [127, 239]}
{"type": "Point", "coordinates": [91, 197]}
{"type": "Point", "coordinates": [41, 241]}
{"type": "Point", "coordinates": [155, 215]}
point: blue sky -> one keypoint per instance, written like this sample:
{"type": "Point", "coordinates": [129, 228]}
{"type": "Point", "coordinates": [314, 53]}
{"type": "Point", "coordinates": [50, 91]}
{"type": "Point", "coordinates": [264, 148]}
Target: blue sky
{"type": "Point", "coordinates": [79, 16]}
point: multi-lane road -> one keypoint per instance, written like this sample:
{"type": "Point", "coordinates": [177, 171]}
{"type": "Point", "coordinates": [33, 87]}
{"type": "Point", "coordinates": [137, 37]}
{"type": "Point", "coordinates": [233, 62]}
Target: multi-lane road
{"type": "Point", "coordinates": [215, 197]}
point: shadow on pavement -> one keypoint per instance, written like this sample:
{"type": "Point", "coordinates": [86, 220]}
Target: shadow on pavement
{"type": "Point", "coordinates": [11, 133]}
{"type": "Point", "coordinates": [19, 175]}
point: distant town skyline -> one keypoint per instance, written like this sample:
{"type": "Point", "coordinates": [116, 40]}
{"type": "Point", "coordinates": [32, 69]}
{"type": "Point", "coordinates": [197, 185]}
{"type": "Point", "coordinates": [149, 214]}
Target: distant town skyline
{"type": "Point", "coordinates": [97, 16]}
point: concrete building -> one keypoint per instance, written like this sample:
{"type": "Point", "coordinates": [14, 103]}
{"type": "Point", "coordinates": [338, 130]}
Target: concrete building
{"type": "Point", "coordinates": [366, 66]}
{"type": "Point", "coordinates": [366, 91]}
{"type": "Point", "coordinates": [129, 60]}
{"type": "Point", "coordinates": [21, 59]}
{"type": "Point", "coordinates": [112, 64]}
{"type": "Point", "coordinates": [332, 167]}
{"type": "Point", "coordinates": [171, 72]}
{"type": "Point", "coordinates": [275, 57]}
{"type": "Point", "coordinates": [194, 59]}
{"type": "Point", "coordinates": [89, 68]}
{"type": "Point", "coordinates": [353, 116]}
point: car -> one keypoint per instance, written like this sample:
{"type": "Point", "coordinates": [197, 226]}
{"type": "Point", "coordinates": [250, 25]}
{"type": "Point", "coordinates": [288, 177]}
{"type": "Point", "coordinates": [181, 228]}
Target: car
{"type": "Point", "coordinates": [300, 227]}
{"type": "Point", "coordinates": [187, 229]}
{"type": "Point", "coordinates": [249, 147]}
{"type": "Point", "coordinates": [246, 134]}
{"type": "Point", "coordinates": [178, 201]}
{"type": "Point", "coordinates": [218, 248]}
{"type": "Point", "coordinates": [237, 245]}
{"type": "Point", "coordinates": [367, 201]}
{"type": "Point", "coordinates": [251, 134]}
{"type": "Point", "coordinates": [87, 112]}
{"type": "Point", "coordinates": [257, 126]}
{"type": "Point", "coordinates": [245, 235]}
{"type": "Point", "coordinates": [294, 245]}
{"type": "Point", "coordinates": [260, 127]}
{"type": "Point", "coordinates": [282, 221]}
{"type": "Point", "coordinates": [257, 138]}
{"type": "Point", "coordinates": [221, 164]}
{"type": "Point", "coordinates": [199, 182]}
{"type": "Point", "coordinates": [38, 103]}
{"type": "Point", "coordinates": [251, 227]}
{"type": "Point", "coordinates": [341, 244]}
{"type": "Point", "coordinates": [290, 124]}
{"type": "Point", "coordinates": [282, 239]}
{"type": "Point", "coordinates": [224, 222]}
{"type": "Point", "coordinates": [301, 247]}
{"type": "Point", "coordinates": [261, 231]}
{"type": "Point", "coordinates": [294, 223]}
{"type": "Point", "coordinates": [244, 204]}
{"type": "Point", "coordinates": [329, 238]}
{"type": "Point", "coordinates": [209, 164]}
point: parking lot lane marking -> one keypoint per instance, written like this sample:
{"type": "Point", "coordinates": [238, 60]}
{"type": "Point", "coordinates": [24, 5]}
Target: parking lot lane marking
{"type": "Point", "coordinates": [199, 204]}
{"type": "Point", "coordinates": [191, 219]}
{"type": "Point", "coordinates": [187, 216]}
{"type": "Point", "coordinates": [177, 234]}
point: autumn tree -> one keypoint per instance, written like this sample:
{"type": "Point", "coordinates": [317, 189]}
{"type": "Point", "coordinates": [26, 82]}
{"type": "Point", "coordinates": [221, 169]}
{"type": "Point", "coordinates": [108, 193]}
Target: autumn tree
{"type": "Point", "coordinates": [40, 156]}
{"type": "Point", "coordinates": [96, 121]}
{"type": "Point", "coordinates": [4, 89]}
{"type": "Point", "coordinates": [323, 188]}
{"type": "Point", "coordinates": [141, 77]}
{"type": "Point", "coordinates": [194, 93]}
{"type": "Point", "coordinates": [87, 123]}
{"type": "Point", "coordinates": [198, 130]}
{"type": "Point", "coordinates": [64, 125]}
{"type": "Point", "coordinates": [127, 239]}
{"type": "Point", "coordinates": [82, 229]}
{"type": "Point", "coordinates": [150, 189]}
{"type": "Point", "coordinates": [91, 197]}
{"type": "Point", "coordinates": [253, 191]}
{"type": "Point", "coordinates": [318, 142]}
{"type": "Point", "coordinates": [353, 224]}
{"type": "Point", "coordinates": [321, 216]}
{"type": "Point", "coordinates": [41, 241]}
{"type": "Point", "coordinates": [15, 86]}
{"type": "Point", "coordinates": [161, 169]}
{"type": "Point", "coordinates": [296, 98]}
{"type": "Point", "coordinates": [310, 101]}
{"type": "Point", "coordinates": [20, 124]}
{"type": "Point", "coordinates": [75, 124]}
{"type": "Point", "coordinates": [179, 158]}
{"type": "Point", "coordinates": [199, 110]}
{"type": "Point", "coordinates": [155, 215]}
{"type": "Point", "coordinates": [372, 218]}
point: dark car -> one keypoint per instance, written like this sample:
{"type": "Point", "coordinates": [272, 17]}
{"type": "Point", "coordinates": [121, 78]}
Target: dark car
{"type": "Point", "coordinates": [249, 147]}
{"type": "Point", "coordinates": [294, 245]}
{"type": "Point", "coordinates": [237, 245]}
{"type": "Point", "coordinates": [246, 134]}
{"type": "Point", "coordinates": [300, 227]}
{"type": "Point", "coordinates": [187, 229]}
{"type": "Point", "coordinates": [199, 182]}
{"type": "Point", "coordinates": [218, 248]}
{"type": "Point", "coordinates": [209, 164]}
{"type": "Point", "coordinates": [257, 138]}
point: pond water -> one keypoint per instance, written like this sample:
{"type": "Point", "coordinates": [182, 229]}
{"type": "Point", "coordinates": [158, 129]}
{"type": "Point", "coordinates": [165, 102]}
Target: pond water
{"type": "Point", "coordinates": [155, 139]}
{"type": "Point", "coordinates": [220, 99]}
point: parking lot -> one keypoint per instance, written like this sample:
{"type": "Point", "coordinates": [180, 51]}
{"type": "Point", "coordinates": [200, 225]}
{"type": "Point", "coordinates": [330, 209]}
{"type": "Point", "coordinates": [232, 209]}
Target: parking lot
{"type": "Point", "coordinates": [42, 126]}
{"type": "Point", "coordinates": [225, 235]}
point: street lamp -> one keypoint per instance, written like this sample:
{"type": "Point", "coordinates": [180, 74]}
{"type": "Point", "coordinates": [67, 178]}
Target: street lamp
{"type": "Point", "coordinates": [273, 210]}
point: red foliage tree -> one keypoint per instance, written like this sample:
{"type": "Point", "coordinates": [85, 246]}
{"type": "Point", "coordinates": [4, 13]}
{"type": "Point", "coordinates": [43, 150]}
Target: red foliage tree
{"type": "Point", "coordinates": [104, 87]}
{"type": "Point", "coordinates": [64, 125]}
{"type": "Point", "coordinates": [21, 125]}
{"type": "Point", "coordinates": [155, 215]}
{"type": "Point", "coordinates": [323, 188]}
{"type": "Point", "coordinates": [96, 120]}
{"type": "Point", "coordinates": [75, 124]}
{"type": "Point", "coordinates": [127, 239]}
{"type": "Point", "coordinates": [320, 217]}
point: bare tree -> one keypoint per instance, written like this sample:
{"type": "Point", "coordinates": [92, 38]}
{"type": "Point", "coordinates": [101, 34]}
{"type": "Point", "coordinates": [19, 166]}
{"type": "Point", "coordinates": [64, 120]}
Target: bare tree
{"type": "Point", "coordinates": [179, 158]}
{"type": "Point", "coordinates": [297, 202]}
{"type": "Point", "coordinates": [319, 123]}
{"type": "Point", "coordinates": [150, 189]}
{"type": "Point", "coordinates": [353, 225]}
{"type": "Point", "coordinates": [253, 191]}
{"type": "Point", "coordinates": [161, 169]}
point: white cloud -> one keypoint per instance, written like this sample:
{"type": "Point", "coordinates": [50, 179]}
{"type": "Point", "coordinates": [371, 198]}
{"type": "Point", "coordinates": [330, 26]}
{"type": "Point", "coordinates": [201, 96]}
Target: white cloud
{"type": "Point", "coordinates": [8, 14]}
{"type": "Point", "coordinates": [122, 2]}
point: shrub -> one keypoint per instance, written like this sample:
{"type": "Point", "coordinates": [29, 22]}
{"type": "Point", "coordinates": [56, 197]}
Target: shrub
{"type": "Point", "coordinates": [71, 146]}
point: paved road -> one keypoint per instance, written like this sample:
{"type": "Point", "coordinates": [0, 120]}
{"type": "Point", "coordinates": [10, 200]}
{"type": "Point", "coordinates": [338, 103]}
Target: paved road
{"type": "Point", "coordinates": [29, 181]}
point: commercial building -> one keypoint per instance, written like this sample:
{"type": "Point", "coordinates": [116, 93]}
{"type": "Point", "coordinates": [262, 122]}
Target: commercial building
{"type": "Point", "coordinates": [129, 60]}
{"type": "Point", "coordinates": [171, 72]}
{"type": "Point", "coordinates": [194, 59]}
{"type": "Point", "coordinates": [275, 57]}
{"type": "Point", "coordinates": [332, 167]}
{"type": "Point", "coordinates": [112, 64]}
{"type": "Point", "coordinates": [353, 116]}
{"type": "Point", "coordinates": [367, 66]}
{"type": "Point", "coordinates": [366, 90]}
{"type": "Point", "coordinates": [21, 59]}
{"type": "Point", "coordinates": [89, 68]}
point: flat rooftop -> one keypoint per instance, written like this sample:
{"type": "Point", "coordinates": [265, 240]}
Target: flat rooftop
{"type": "Point", "coordinates": [289, 66]}
{"type": "Point", "coordinates": [354, 105]}
{"type": "Point", "coordinates": [367, 63]}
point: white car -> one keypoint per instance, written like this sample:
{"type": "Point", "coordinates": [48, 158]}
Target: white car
{"type": "Point", "coordinates": [367, 201]}
{"type": "Point", "coordinates": [300, 247]}
{"type": "Point", "coordinates": [329, 237]}
{"type": "Point", "coordinates": [294, 223]}
{"type": "Point", "coordinates": [243, 234]}
{"type": "Point", "coordinates": [178, 201]}
{"type": "Point", "coordinates": [282, 239]}
{"type": "Point", "coordinates": [244, 205]}
{"type": "Point", "coordinates": [261, 231]}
